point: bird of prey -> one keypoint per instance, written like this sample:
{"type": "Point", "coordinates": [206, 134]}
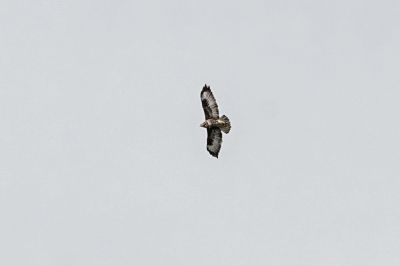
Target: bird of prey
{"type": "Point", "coordinates": [213, 123]}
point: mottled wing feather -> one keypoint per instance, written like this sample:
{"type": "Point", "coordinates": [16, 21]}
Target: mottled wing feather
{"type": "Point", "coordinates": [209, 103]}
{"type": "Point", "coordinates": [214, 141]}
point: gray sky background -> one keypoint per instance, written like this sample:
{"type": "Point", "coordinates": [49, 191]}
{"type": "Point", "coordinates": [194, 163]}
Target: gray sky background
{"type": "Point", "coordinates": [103, 162]}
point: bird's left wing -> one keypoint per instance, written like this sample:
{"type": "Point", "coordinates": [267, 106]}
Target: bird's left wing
{"type": "Point", "coordinates": [214, 141]}
{"type": "Point", "coordinates": [209, 103]}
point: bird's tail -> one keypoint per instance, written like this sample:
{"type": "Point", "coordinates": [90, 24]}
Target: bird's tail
{"type": "Point", "coordinates": [227, 127]}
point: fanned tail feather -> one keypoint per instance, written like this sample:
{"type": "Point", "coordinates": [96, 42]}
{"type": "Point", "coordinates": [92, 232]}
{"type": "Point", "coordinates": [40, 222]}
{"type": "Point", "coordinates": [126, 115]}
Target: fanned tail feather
{"type": "Point", "coordinates": [227, 127]}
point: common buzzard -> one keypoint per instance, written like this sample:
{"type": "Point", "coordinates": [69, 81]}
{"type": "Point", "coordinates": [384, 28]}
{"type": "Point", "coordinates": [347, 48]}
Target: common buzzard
{"type": "Point", "coordinates": [213, 123]}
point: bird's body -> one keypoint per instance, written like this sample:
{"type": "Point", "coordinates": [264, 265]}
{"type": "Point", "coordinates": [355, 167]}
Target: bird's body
{"type": "Point", "coordinates": [214, 124]}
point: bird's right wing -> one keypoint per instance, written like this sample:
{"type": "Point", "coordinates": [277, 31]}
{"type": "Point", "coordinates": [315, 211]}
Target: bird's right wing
{"type": "Point", "coordinates": [214, 141]}
{"type": "Point", "coordinates": [209, 103]}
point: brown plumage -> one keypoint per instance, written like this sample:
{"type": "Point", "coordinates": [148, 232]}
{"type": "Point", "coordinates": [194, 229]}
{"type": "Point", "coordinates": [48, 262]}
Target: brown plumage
{"type": "Point", "coordinates": [214, 124]}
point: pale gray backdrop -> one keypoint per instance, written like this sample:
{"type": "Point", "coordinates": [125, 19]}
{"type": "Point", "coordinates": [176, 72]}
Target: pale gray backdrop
{"type": "Point", "coordinates": [103, 162]}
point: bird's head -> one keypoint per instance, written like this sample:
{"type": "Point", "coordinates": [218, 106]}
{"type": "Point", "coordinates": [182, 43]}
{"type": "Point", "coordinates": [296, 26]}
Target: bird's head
{"type": "Point", "coordinates": [204, 124]}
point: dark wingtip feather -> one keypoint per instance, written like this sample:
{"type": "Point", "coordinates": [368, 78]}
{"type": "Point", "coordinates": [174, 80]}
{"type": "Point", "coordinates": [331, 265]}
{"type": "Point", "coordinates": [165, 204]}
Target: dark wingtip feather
{"type": "Point", "coordinates": [205, 88]}
{"type": "Point", "coordinates": [213, 154]}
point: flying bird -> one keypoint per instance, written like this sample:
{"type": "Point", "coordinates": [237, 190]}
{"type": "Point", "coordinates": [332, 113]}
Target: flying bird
{"type": "Point", "coordinates": [214, 124]}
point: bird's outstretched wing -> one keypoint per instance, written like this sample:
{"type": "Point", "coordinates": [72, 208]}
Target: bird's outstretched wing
{"type": "Point", "coordinates": [214, 141]}
{"type": "Point", "coordinates": [209, 103]}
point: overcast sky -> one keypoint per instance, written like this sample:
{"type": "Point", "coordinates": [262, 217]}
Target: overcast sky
{"type": "Point", "coordinates": [103, 162]}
